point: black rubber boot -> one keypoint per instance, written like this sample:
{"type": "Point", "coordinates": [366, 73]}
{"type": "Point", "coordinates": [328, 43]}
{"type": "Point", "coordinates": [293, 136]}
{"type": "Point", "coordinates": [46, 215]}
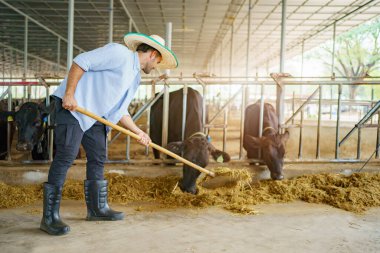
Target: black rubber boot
{"type": "Point", "coordinates": [51, 222]}
{"type": "Point", "coordinates": [96, 193]}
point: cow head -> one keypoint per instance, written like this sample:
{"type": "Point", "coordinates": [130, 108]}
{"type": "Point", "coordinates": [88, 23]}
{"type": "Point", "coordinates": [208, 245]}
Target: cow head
{"type": "Point", "coordinates": [196, 149]}
{"type": "Point", "coordinates": [31, 122]}
{"type": "Point", "coordinates": [272, 151]}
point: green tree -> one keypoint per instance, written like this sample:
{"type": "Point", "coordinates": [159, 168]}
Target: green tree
{"type": "Point", "coordinates": [357, 53]}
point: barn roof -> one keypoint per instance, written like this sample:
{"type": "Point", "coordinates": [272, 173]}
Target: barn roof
{"type": "Point", "coordinates": [201, 28]}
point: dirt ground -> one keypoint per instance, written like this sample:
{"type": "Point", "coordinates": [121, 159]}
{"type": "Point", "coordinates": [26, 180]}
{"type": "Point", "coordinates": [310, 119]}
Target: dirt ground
{"type": "Point", "coordinates": [289, 227]}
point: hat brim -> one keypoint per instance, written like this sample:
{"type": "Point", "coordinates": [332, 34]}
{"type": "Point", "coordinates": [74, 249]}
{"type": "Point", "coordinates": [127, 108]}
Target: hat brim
{"type": "Point", "coordinates": [169, 59]}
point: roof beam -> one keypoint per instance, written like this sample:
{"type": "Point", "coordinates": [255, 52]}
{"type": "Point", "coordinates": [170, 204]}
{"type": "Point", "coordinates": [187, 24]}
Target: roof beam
{"type": "Point", "coordinates": [129, 15]}
{"type": "Point", "coordinates": [38, 23]}
{"type": "Point", "coordinates": [31, 55]}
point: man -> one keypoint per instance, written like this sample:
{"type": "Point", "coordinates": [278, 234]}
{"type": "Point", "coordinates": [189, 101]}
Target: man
{"type": "Point", "coordinates": [103, 81]}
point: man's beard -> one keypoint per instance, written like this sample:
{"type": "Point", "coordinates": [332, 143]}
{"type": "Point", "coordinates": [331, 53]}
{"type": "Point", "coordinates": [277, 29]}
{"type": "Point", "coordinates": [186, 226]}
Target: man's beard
{"type": "Point", "coordinates": [147, 71]}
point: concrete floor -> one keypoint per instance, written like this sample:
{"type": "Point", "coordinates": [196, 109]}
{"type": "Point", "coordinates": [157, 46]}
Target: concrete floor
{"type": "Point", "coordinates": [291, 227]}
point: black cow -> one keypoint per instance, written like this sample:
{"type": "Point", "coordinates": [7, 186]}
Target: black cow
{"type": "Point", "coordinates": [31, 122]}
{"type": "Point", "coordinates": [272, 143]}
{"type": "Point", "coordinates": [195, 147]}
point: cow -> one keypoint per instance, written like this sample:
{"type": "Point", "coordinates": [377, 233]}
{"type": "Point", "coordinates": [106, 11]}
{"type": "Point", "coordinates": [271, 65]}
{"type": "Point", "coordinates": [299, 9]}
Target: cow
{"type": "Point", "coordinates": [272, 143]}
{"type": "Point", "coordinates": [196, 147]}
{"type": "Point", "coordinates": [193, 117]}
{"type": "Point", "coordinates": [31, 120]}
{"type": "Point", "coordinates": [32, 130]}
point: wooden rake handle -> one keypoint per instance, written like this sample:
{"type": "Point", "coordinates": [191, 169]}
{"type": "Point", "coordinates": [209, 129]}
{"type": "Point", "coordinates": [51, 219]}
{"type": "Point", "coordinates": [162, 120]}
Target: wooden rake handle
{"type": "Point", "coordinates": [135, 136]}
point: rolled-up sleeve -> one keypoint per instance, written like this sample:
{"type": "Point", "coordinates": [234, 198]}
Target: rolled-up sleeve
{"type": "Point", "coordinates": [110, 56]}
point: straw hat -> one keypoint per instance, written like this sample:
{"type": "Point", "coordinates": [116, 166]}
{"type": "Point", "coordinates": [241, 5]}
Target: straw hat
{"type": "Point", "coordinates": [169, 59]}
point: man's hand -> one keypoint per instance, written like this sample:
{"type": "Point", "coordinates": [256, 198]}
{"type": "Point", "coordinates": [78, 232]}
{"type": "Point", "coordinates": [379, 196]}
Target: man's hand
{"type": "Point", "coordinates": [69, 102]}
{"type": "Point", "coordinates": [145, 139]}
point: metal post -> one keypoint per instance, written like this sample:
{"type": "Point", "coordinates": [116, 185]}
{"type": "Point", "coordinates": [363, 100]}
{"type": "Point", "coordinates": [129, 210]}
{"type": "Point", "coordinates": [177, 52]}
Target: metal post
{"type": "Point", "coordinates": [293, 104]}
{"type": "Point", "coordinates": [372, 103]}
{"type": "Point", "coordinates": [26, 47]}
{"type": "Point", "coordinates": [165, 111]}
{"type": "Point", "coordinates": [225, 129]}
{"type": "Point", "coordinates": [242, 116]}
{"type": "Point", "coordinates": [378, 135]}
{"type": "Point", "coordinates": [281, 91]}
{"type": "Point", "coordinates": [231, 49]}
{"type": "Point", "coordinates": [319, 122]}
{"type": "Point", "coordinates": [147, 129]}
{"type": "Point", "coordinates": [184, 111]}
{"type": "Point", "coordinates": [165, 116]}
{"type": "Point", "coordinates": [338, 121]}
{"type": "Point", "coordinates": [168, 40]}
{"type": "Point", "coordinates": [302, 59]}
{"type": "Point", "coordinates": [358, 153]}
{"type": "Point", "coordinates": [110, 28]}
{"type": "Point", "coordinates": [248, 40]}
{"type": "Point", "coordinates": [261, 116]}
{"type": "Point", "coordinates": [300, 139]}
{"type": "Point", "coordinates": [9, 158]}
{"type": "Point", "coordinates": [70, 34]}
{"type": "Point", "coordinates": [128, 148]}
{"type": "Point", "coordinates": [58, 53]}
{"type": "Point", "coordinates": [26, 31]}
{"type": "Point", "coordinates": [332, 66]}
{"type": "Point", "coordinates": [204, 102]}
{"type": "Point", "coordinates": [9, 125]}
{"type": "Point", "coordinates": [333, 50]}
{"type": "Point", "coordinates": [221, 60]}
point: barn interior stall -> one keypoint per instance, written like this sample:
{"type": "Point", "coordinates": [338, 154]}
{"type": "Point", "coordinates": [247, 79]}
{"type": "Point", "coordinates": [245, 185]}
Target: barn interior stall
{"type": "Point", "coordinates": [315, 143]}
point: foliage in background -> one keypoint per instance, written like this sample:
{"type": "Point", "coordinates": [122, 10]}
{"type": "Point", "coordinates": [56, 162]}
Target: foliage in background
{"type": "Point", "coordinates": [357, 54]}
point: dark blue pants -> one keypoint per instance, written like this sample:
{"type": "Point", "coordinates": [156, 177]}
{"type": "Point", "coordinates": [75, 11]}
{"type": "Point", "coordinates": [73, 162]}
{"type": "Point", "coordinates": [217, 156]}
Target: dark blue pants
{"type": "Point", "coordinates": [67, 137]}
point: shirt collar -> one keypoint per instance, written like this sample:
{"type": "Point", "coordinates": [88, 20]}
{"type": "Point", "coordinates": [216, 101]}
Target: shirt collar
{"type": "Point", "coordinates": [137, 62]}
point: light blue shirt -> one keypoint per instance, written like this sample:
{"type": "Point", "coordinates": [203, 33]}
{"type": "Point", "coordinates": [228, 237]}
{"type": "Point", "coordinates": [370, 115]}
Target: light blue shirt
{"type": "Point", "coordinates": [111, 78]}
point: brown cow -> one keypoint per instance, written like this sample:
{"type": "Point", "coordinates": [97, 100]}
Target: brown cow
{"type": "Point", "coordinates": [196, 147]}
{"type": "Point", "coordinates": [272, 143]}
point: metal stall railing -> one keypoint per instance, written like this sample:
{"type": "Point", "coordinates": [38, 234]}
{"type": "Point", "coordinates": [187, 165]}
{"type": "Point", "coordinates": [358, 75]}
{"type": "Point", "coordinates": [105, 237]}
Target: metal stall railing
{"type": "Point", "coordinates": [244, 82]}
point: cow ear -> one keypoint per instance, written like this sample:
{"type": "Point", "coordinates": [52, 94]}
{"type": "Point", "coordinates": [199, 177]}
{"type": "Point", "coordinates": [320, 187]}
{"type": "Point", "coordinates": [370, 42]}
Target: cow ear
{"type": "Point", "coordinates": [176, 147]}
{"type": "Point", "coordinates": [220, 156]}
{"type": "Point", "coordinates": [7, 116]}
{"type": "Point", "coordinates": [256, 142]}
{"type": "Point", "coordinates": [285, 137]}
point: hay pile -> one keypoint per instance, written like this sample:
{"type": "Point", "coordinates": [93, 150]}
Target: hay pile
{"type": "Point", "coordinates": [355, 193]}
